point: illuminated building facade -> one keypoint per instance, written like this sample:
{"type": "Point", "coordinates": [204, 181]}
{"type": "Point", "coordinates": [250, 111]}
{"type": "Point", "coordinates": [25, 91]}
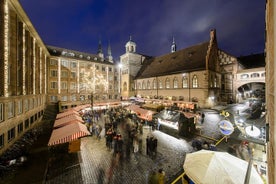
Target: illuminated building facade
{"type": "Point", "coordinates": [33, 75]}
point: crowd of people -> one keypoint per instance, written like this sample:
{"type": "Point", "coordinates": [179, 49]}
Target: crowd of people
{"type": "Point", "coordinates": [125, 141]}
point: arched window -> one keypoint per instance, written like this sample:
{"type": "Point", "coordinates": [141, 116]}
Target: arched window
{"type": "Point", "coordinates": [148, 85]}
{"type": "Point", "coordinates": [167, 83]}
{"type": "Point", "coordinates": [244, 76]}
{"type": "Point", "coordinates": [143, 85]}
{"type": "Point", "coordinates": [154, 84]}
{"type": "Point", "coordinates": [211, 81]}
{"type": "Point", "coordinates": [184, 82]}
{"type": "Point", "coordinates": [255, 75]}
{"type": "Point", "coordinates": [175, 83]}
{"type": "Point", "coordinates": [263, 74]}
{"type": "Point", "coordinates": [160, 84]}
{"type": "Point", "coordinates": [125, 86]}
{"type": "Point", "coordinates": [195, 82]}
{"type": "Point", "coordinates": [139, 85]}
{"type": "Point", "coordinates": [215, 82]}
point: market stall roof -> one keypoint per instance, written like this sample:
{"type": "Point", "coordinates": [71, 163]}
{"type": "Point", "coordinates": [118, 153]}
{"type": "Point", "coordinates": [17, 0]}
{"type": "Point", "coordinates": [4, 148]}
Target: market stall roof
{"type": "Point", "coordinates": [68, 133]}
{"type": "Point", "coordinates": [67, 113]}
{"type": "Point", "coordinates": [218, 167]}
{"type": "Point", "coordinates": [171, 115]}
{"type": "Point", "coordinates": [80, 107]}
{"type": "Point", "coordinates": [189, 115]}
{"type": "Point", "coordinates": [141, 113]}
{"type": "Point", "coordinates": [67, 120]}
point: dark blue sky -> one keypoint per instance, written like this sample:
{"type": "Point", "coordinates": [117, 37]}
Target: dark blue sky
{"type": "Point", "coordinates": [79, 24]}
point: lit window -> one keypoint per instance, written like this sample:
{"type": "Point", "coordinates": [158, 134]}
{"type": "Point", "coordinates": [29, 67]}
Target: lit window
{"type": "Point", "coordinates": [184, 82]}
{"type": "Point", "coordinates": [54, 73]}
{"type": "Point", "coordinates": [160, 84]}
{"type": "Point", "coordinates": [215, 82]}
{"type": "Point", "coordinates": [143, 85]}
{"type": "Point", "coordinates": [167, 83]}
{"type": "Point", "coordinates": [53, 98]}
{"type": "Point", "coordinates": [11, 134]}
{"type": "Point", "coordinates": [73, 64]}
{"type": "Point", "coordinates": [154, 84]}
{"type": "Point", "coordinates": [20, 128]}
{"type": "Point", "coordinates": [54, 85]}
{"type": "Point", "coordinates": [73, 74]}
{"type": "Point", "coordinates": [211, 81]}
{"type": "Point", "coordinates": [1, 112]}
{"type": "Point", "coordinates": [139, 85]}
{"type": "Point", "coordinates": [64, 98]}
{"type": "Point", "coordinates": [148, 85]}
{"type": "Point", "coordinates": [244, 76]}
{"type": "Point", "coordinates": [125, 86]}
{"type": "Point", "coordinates": [73, 98]}
{"type": "Point", "coordinates": [255, 75]}
{"type": "Point", "coordinates": [10, 109]}
{"type": "Point", "coordinates": [194, 82]}
{"type": "Point", "coordinates": [65, 63]}
{"type": "Point", "coordinates": [72, 85]}
{"type": "Point", "coordinates": [53, 62]}
{"type": "Point", "coordinates": [63, 85]}
{"type": "Point", "coordinates": [64, 74]}
{"type": "Point", "coordinates": [175, 83]}
{"type": "Point", "coordinates": [26, 105]}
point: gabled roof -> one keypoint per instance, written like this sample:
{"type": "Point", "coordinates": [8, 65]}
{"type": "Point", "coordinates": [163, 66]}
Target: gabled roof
{"type": "Point", "coordinates": [252, 61]}
{"type": "Point", "coordinates": [189, 59]}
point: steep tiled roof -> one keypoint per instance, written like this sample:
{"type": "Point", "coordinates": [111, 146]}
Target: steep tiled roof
{"type": "Point", "coordinates": [189, 59]}
{"type": "Point", "coordinates": [57, 51]}
{"type": "Point", "coordinates": [253, 60]}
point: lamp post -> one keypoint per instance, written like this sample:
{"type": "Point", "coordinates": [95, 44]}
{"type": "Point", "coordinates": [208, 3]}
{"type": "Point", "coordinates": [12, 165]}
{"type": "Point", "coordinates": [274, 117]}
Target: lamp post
{"type": "Point", "coordinates": [250, 162]}
{"type": "Point", "coordinates": [120, 72]}
{"type": "Point", "coordinates": [92, 101]}
{"type": "Point", "coordinates": [254, 132]}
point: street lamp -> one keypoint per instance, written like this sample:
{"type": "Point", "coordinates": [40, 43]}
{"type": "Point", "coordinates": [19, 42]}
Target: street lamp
{"type": "Point", "coordinates": [120, 67]}
{"type": "Point", "coordinates": [92, 101]}
{"type": "Point", "coordinates": [252, 131]}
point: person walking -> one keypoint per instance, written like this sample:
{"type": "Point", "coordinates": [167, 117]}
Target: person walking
{"type": "Point", "coordinates": [161, 176]}
{"type": "Point", "coordinates": [202, 118]}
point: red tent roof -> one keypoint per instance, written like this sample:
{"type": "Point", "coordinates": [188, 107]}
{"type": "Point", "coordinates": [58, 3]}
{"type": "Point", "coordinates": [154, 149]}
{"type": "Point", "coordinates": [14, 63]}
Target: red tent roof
{"type": "Point", "coordinates": [68, 133]}
{"type": "Point", "coordinates": [67, 120]}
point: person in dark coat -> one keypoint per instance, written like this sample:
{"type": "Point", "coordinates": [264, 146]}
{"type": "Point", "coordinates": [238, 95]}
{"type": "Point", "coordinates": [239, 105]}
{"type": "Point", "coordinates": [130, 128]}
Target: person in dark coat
{"type": "Point", "coordinates": [154, 142]}
{"type": "Point", "coordinates": [148, 145]}
{"type": "Point", "coordinates": [202, 118]}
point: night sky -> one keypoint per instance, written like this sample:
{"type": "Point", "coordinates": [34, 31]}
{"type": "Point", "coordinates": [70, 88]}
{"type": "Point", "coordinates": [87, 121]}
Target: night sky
{"type": "Point", "coordinates": [80, 24]}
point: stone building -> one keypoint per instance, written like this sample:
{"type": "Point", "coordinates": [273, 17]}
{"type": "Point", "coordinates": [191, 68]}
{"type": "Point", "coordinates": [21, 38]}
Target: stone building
{"type": "Point", "coordinates": [74, 77]}
{"type": "Point", "coordinates": [23, 73]}
{"type": "Point", "coordinates": [34, 76]}
{"type": "Point", "coordinates": [193, 74]}
{"type": "Point", "coordinates": [270, 87]}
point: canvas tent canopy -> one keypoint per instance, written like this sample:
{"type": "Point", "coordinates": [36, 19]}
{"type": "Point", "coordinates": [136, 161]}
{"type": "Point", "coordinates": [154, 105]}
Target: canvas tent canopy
{"type": "Point", "coordinates": [68, 133]}
{"type": "Point", "coordinates": [67, 113]}
{"type": "Point", "coordinates": [67, 120]}
{"type": "Point", "coordinates": [213, 167]}
{"type": "Point", "coordinates": [141, 113]}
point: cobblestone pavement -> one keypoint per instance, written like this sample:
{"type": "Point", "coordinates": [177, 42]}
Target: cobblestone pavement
{"type": "Point", "coordinates": [100, 165]}
{"type": "Point", "coordinates": [95, 164]}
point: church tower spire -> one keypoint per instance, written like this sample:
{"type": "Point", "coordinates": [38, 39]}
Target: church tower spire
{"type": "Point", "coordinates": [173, 47]}
{"type": "Point", "coordinates": [100, 50]}
{"type": "Point", "coordinates": [130, 46]}
{"type": "Point", "coordinates": [109, 54]}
